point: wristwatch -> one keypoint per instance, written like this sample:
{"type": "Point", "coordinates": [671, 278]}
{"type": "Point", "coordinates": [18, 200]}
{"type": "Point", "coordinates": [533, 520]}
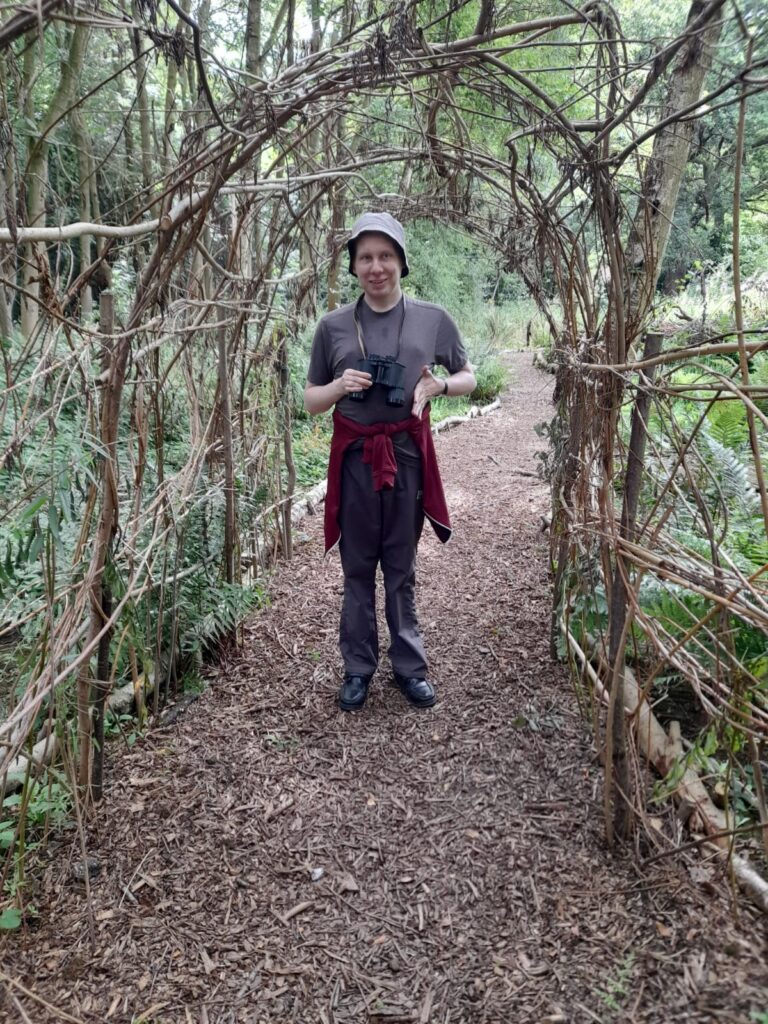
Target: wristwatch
{"type": "Point", "coordinates": [445, 386]}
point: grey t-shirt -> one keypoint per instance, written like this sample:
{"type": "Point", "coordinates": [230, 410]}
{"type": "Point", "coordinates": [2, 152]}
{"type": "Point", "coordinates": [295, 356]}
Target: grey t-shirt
{"type": "Point", "coordinates": [427, 336]}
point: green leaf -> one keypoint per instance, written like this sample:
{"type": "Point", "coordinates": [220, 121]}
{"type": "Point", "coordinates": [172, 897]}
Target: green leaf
{"type": "Point", "coordinates": [710, 743]}
{"type": "Point", "coordinates": [65, 500]}
{"type": "Point", "coordinates": [31, 510]}
{"type": "Point", "coordinates": [10, 919]}
{"type": "Point", "coordinates": [35, 547]}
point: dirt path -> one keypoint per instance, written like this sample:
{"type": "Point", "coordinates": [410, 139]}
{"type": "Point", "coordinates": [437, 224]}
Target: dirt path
{"type": "Point", "coordinates": [266, 858]}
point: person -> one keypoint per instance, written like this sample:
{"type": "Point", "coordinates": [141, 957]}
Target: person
{"type": "Point", "coordinates": [372, 360]}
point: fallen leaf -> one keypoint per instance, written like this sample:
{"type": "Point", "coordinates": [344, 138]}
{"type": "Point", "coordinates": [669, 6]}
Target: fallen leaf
{"type": "Point", "coordinates": [141, 780]}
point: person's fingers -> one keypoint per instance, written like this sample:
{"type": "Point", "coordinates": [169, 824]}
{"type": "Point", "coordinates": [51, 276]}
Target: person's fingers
{"type": "Point", "coordinates": [356, 380]}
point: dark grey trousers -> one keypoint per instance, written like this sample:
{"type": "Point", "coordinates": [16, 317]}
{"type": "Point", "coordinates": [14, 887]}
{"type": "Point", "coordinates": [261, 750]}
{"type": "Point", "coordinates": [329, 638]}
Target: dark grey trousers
{"type": "Point", "coordinates": [380, 527]}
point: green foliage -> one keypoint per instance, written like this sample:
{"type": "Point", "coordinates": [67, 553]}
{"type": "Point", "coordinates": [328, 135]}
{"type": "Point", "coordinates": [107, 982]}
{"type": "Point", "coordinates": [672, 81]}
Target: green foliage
{"type": "Point", "coordinates": [677, 610]}
{"type": "Point", "coordinates": [448, 267]}
{"type": "Point", "coordinates": [729, 473]}
{"type": "Point", "coordinates": [7, 832]}
{"type": "Point", "coordinates": [10, 919]}
{"type": "Point", "coordinates": [122, 724]}
{"type": "Point", "coordinates": [491, 377]}
{"type": "Point", "coordinates": [716, 754]}
{"type": "Point", "coordinates": [754, 244]}
{"type": "Point", "coordinates": [213, 613]}
{"type": "Point", "coordinates": [586, 606]}
{"type": "Point", "coordinates": [27, 817]}
{"type": "Point", "coordinates": [728, 425]}
{"type": "Point", "coordinates": [616, 986]}
{"type": "Point", "coordinates": [298, 365]}
{"type": "Point", "coordinates": [311, 445]}
{"type": "Point", "coordinates": [43, 803]}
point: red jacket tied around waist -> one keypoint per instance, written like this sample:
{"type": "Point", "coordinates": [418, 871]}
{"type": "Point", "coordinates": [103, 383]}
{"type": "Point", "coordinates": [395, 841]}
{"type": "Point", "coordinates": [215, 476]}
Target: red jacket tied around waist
{"type": "Point", "coordinates": [379, 452]}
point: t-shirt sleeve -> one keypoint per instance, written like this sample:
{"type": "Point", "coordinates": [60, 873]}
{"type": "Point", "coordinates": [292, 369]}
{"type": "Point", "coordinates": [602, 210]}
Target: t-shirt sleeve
{"type": "Point", "coordinates": [320, 371]}
{"type": "Point", "coordinates": [449, 348]}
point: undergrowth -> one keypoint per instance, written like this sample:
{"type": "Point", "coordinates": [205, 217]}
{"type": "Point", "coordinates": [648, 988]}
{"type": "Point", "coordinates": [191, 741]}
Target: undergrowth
{"type": "Point", "coordinates": [710, 515]}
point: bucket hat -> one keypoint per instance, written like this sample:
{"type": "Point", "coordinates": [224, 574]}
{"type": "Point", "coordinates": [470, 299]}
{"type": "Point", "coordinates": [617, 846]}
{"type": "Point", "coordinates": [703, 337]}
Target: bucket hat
{"type": "Point", "coordinates": [382, 224]}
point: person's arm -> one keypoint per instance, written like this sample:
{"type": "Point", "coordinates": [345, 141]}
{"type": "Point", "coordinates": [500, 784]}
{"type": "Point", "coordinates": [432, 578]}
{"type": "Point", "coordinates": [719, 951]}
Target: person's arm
{"type": "Point", "coordinates": [429, 386]}
{"type": "Point", "coordinates": [320, 398]}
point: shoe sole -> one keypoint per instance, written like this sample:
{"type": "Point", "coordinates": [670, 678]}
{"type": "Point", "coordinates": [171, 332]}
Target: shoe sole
{"type": "Point", "coordinates": [349, 707]}
{"type": "Point", "coordinates": [416, 703]}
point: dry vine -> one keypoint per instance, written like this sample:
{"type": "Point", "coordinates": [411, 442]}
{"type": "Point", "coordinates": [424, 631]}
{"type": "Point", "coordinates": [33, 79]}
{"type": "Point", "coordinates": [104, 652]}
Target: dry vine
{"type": "Point", "coordinates": [270, 161]}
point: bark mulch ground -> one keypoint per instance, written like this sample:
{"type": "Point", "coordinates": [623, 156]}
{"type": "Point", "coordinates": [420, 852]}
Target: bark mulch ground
{"type": "Point", "coordinates": [266, 858]}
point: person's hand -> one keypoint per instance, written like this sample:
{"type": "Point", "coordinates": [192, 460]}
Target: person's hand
{"type": "Point", "coordinates": [353, 380]}
{"type": "Point", "coordinates": [428, 386]}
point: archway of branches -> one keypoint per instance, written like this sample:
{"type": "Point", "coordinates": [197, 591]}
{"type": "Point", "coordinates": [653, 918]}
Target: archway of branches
{"type": "Point", "coordinates": [536, 137]}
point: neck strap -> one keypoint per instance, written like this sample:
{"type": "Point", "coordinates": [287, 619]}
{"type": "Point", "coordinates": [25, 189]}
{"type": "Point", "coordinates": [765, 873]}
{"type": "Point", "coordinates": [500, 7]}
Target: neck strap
{"type": "Point", "coordinates": [361, 338]}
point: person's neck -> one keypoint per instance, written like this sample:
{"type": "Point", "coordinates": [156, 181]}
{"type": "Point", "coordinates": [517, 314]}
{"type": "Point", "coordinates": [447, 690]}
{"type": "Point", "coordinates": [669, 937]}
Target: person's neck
{"type": "Point", "coordinates": [383, 305]}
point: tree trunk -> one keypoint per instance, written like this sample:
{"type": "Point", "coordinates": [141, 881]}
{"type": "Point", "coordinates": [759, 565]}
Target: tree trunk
{"type": "Point", "coordinates": [290, 465]}
{"type": "Point", "coordinates": [98, 614]}
{"type": "Point", "coordinates": [253, 38]}
{"type": "Point", "coordinates": [87, 171]}
{"type": "Point", "coordinates": [7, 208]}
{"type": "Point", "coordinates": [665, 169]}
{"type": "Point", "coordinates": [35, 267]}
{"type": "Point", "coordinates": [336, 200]}
{"type": "Point", "coordinates": [618, 776]}
{"type": "Point", "coordinates": [225, 420]}
{"type": "Point", "coordinates": [142, 106]}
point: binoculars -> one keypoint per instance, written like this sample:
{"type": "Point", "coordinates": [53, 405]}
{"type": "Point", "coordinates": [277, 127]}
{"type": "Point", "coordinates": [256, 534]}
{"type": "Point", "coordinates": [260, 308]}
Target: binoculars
{"type": "Point", "coordinates": [385, 371]}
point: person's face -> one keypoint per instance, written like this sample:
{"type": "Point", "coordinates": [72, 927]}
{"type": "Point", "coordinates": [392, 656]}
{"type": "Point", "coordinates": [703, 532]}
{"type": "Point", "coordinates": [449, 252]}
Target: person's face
{"type": "Point", "coordinates": [378, 268]}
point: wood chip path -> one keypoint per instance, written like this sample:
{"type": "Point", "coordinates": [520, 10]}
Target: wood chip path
{"type": "Point", "coordinates": [266, 858]}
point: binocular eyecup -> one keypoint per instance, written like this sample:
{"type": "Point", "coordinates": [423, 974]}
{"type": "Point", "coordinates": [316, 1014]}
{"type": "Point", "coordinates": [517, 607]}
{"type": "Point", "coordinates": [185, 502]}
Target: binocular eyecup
{"type": "Point", "coordinates": [385, 372]}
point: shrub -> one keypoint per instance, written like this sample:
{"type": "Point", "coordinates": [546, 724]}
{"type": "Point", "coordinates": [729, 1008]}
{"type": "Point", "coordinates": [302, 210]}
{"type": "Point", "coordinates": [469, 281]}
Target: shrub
{"type": "Point", "coordinates": [491, 377]}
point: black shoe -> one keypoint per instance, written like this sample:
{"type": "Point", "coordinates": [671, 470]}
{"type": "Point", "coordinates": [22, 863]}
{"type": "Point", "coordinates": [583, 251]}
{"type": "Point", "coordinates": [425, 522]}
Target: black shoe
{"type": "Point", "coordinates": [353, 692]}
{"type": "Point", "coordinates": [417, 691]}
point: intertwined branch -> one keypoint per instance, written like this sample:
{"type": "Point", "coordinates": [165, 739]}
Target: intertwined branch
{"type": "Point", "coordinates": [526, 134]}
